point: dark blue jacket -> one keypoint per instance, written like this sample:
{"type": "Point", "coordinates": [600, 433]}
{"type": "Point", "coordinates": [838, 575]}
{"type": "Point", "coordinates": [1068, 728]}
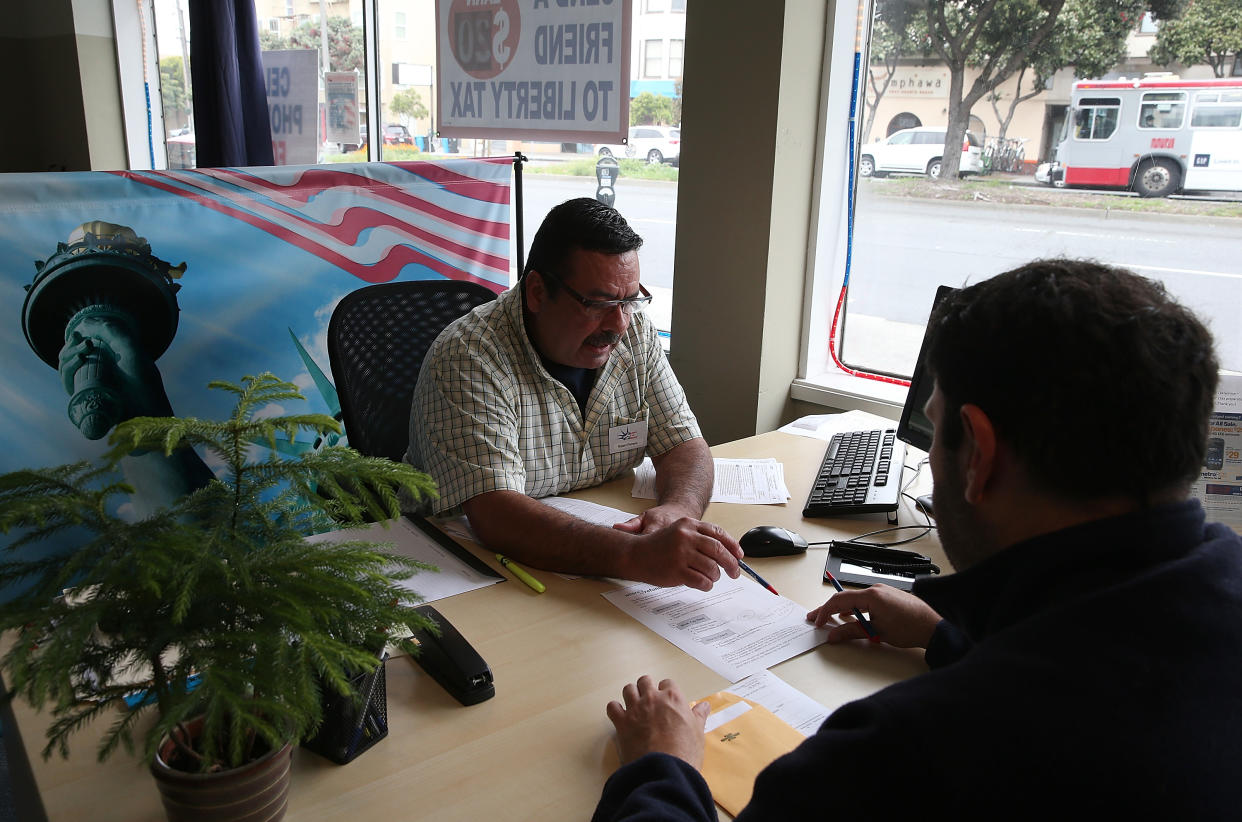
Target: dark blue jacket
{"type": "Point", "coordinates": [1092, 672]}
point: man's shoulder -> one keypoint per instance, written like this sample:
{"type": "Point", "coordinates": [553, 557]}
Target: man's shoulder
{"type": "Point", "coordinates": [484, 333]}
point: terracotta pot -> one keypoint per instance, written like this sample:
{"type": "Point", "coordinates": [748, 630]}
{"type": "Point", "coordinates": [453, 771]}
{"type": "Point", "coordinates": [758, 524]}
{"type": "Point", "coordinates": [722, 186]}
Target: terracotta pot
{"type": "Point", "coordinates": [256, 792]}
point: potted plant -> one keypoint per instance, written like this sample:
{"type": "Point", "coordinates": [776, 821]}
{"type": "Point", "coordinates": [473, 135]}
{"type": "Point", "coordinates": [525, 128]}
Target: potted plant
{"type": "Point", "coordinates": [215, 611]}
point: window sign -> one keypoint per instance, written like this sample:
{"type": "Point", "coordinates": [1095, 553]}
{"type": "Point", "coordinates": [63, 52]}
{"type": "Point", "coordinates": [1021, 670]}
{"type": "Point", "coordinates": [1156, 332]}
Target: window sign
{"type": "Point", "coordinates": [534, 69]}
{"type": "Point", "coordinates": [341, 92]}
{"type": "Point", "coordinates": [292, 81]}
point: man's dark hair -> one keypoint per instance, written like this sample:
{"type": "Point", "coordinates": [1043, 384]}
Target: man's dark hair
{"type": "Point", "coordinates": [1099, 381]}
{"type": "Point", "coordinates": [582, 223]}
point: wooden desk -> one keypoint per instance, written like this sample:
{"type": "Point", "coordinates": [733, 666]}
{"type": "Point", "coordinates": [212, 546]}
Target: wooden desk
{"type": "Point", "coordinates": [542, 748]}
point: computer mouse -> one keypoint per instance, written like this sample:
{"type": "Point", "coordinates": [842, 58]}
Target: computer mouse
{"type": "Point", "coordinates": [771, 541]}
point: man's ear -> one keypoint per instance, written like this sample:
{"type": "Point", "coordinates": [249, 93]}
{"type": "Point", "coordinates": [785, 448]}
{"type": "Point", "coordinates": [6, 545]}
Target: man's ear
{"type": "Point", "coordinates": [979, 451]}
{"type": "Point", "coordinates": [536, 291]}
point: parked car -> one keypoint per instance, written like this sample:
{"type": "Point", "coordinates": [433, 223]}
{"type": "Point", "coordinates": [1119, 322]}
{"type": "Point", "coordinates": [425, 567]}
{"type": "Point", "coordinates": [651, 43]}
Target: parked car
{"type": "Point", "coordinates": [917, 151]}
{"type": "Point", "coordinates": [397, 135]}
{"type": "Point", "coordinates": [655, 144]}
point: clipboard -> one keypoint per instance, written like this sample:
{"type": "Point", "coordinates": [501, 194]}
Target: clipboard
{"type": "Point", "coordinates": [449, 544]}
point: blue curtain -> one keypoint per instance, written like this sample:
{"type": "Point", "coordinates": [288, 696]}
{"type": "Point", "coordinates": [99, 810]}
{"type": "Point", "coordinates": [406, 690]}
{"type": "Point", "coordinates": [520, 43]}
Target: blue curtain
{"type": "Point", "coordinates": [231, 126]}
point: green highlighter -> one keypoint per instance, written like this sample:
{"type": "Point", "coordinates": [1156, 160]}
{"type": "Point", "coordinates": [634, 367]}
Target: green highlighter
{"type": "Point", "coordinates": [521, 574]}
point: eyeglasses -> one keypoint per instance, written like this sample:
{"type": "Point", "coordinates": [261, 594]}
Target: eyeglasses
{"type": "Point", "coordinates": [600, 308]}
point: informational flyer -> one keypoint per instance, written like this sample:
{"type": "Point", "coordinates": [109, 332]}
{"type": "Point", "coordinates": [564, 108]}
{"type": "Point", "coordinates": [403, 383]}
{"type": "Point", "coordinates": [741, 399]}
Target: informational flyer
{"type": "Point", "coordinates": [533, 69]}
{"type": "Point", "coordinates": [1219, 487]}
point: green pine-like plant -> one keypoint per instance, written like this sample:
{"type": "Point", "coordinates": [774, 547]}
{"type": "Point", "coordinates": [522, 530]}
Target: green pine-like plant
{"type": "Point", "coordinates": [220, 589]}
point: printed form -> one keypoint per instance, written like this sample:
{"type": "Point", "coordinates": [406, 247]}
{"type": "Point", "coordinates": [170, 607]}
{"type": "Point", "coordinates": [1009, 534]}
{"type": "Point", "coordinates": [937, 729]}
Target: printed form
{"type": "Point", "coordinates": [737, 628]}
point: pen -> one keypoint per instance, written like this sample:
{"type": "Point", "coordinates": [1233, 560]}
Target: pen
{"type": "Point", "coordinates": [521, 574]}
{"type": "Point", "coordinates": [865, 622]}
{"type": "Point", "coordinates": [361, 724]}
{"type": "Point", "coordinates": [758, 578]}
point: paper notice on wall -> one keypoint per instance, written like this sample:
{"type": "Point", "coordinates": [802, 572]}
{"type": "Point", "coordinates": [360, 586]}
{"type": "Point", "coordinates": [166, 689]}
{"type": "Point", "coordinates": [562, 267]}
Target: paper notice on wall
{"type": "Point", "coordinates": [1219, 486]}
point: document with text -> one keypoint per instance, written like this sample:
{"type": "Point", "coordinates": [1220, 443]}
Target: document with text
{"type": "Point", "coordinates": [750, 482]}
{"type": "Point", "coordinates": [406, 539]}
{"type": "Point", "coordinates": [737, 628]}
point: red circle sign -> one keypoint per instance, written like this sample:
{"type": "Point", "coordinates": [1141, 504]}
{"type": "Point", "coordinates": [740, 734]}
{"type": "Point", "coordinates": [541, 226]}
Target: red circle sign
{"type": "Point", "coordinates": [484, 35]}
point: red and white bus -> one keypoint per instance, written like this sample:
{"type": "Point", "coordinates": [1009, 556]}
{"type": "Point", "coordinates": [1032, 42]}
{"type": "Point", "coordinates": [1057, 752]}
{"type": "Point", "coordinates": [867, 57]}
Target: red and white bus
{"type": "Point", "coordinates": [1156, 136]}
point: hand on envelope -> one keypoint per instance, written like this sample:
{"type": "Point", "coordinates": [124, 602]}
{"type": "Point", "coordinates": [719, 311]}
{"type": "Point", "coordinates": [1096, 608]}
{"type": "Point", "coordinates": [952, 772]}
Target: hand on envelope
{"type": "Point", "coordinates": [731, 746]}
{"type": "Point", "coordinates": [658, 719]}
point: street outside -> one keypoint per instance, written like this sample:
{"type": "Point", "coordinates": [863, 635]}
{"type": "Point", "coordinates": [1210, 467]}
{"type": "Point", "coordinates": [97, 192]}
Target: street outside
{"type": "Point", "coordinates": [905, 247]}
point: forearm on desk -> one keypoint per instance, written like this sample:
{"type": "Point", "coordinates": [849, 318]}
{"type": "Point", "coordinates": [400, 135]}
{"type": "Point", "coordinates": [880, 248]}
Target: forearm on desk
{"type": "Point", "coordinates": [536, 534]}
{"type": "Point", "coordinates": [684, 477]}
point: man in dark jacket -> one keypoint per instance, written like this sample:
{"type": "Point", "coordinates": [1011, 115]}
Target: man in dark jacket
{"type": "Point", "coordinates": [1086, 658]}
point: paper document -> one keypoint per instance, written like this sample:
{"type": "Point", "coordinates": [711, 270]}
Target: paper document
{"type": "Point", "coordinates": [750, 482]}
{"type": "Point", "coordinates": [408, 540]}
{"type": "Point", "coordinates": [823, 426]}
{"type": "Point", "coordinates": [590, 511]}
{"type": "Point", "coordinates": [737, 628]}
{"type": "Point", "coordinates": [1219, 487]}
{"type": "Point", "coordinates": [803, 713]}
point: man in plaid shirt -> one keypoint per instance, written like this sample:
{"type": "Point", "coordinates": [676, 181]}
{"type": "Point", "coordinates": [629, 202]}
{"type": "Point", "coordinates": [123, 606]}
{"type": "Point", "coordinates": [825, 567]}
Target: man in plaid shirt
{"type": "Point", "coordinates": [560, 384]}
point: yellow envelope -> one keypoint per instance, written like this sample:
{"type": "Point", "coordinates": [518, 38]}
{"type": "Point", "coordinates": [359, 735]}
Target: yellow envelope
{"type": "Point", "coordinates": [736, 751]}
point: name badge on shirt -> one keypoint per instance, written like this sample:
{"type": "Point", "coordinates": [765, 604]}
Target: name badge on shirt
{"type": "Point", "coordinates": [627, 437]}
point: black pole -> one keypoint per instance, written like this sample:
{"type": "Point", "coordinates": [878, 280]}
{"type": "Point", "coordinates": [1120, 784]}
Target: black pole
{"type": "Point", "coordinates": [518, 159]}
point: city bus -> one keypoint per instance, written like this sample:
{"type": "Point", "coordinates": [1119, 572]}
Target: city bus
{"type": "Point", "coordinates": [1156, 136]}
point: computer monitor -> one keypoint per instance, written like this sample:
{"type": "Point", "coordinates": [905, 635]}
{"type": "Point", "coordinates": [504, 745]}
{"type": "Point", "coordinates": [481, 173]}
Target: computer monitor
{"type": "Point", "coordinates": [914, 427]}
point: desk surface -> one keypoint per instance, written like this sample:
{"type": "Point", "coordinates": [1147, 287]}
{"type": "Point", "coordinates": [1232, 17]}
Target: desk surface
{"type": "Point", "coordinates": [542, 747]}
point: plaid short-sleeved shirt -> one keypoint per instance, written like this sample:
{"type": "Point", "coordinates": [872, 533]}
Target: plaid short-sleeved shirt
{"type": "Point", "coordinates": [487, 416]}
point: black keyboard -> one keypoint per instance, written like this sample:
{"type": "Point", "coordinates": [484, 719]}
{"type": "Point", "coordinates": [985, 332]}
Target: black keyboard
{"type": "Point", "coordinates": [860, 474]}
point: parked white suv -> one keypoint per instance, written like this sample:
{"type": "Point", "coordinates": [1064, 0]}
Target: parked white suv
{"type": "Point", "coordinates": [655, 144]}
{"type": "Point", "coordinates": [917, 151]}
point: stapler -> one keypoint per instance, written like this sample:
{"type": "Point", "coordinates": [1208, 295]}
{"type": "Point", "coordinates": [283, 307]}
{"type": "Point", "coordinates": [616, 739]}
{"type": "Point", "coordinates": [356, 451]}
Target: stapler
{"type": "Point", "coordinates": [450, 660]}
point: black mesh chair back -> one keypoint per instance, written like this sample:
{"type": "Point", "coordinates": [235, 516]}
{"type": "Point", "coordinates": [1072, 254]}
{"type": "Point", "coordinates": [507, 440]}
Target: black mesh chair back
{"type": "Point", "coordinates": [377, 339]}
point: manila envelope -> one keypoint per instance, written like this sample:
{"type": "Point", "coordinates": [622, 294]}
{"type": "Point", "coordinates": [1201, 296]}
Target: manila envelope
{"type": "Point", "coordinates": [735, 752]}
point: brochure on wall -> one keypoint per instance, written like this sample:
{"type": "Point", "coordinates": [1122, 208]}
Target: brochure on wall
{"type": "Point", "coordinates": [1219, 487]}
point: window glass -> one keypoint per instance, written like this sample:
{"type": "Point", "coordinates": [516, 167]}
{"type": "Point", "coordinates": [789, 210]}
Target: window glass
{"type": "Point", "coordinates": [1216, 110]}
{"type": "Point", "coordinates": [1162, 109]}
{"type": "Point", "coordinates": [407, 105]}
{"type": "Point", "coordinates": [653, 66]}
{"type": "Point", "coordinates": [1096, 119]}
{"type": "Point", "coordinates": [676, 50]}
{"type": "Point", "coordinates": [889, 234]}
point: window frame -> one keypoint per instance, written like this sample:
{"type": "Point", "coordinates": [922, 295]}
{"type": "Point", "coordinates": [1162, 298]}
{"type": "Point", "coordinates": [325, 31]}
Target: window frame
{"type": "Point", "coordinates": [819, 379]}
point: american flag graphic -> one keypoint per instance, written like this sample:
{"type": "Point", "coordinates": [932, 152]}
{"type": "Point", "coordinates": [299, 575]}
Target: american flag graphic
{"type": "Point", "coordinates": [370, 219]}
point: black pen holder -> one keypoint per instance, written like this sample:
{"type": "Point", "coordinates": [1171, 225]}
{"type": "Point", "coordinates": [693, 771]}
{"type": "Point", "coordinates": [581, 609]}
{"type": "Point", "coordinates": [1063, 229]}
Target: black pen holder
{"type": "Point", "coordinates": [349, 728]}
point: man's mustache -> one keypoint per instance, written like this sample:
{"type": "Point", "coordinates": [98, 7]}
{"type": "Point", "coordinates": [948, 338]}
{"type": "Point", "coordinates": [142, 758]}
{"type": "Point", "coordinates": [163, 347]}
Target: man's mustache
{"type": "Point", "coordinates": [603, 338]}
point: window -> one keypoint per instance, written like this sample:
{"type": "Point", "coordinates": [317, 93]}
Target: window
{"type": "Point", "coordinates": [1217, 109]}
{"type": "Point", "coordinates": [884, 242]}
{"type": "Point", "coordinates": [1162, 109]}
{"type": "Point", "coordinates": [1096, 118]}
{"type": "Point", "coordinates": [676, 50]}
{"type": "Point", "coordinates": [653, 63]}
{"type": "Point", "coordinates": [654, 6]}
{"type": "Point", "coordinates": [398, 25]}
{"type": "Point", "coordinates": [678, 6]}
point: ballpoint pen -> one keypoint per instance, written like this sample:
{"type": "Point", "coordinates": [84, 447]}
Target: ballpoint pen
{"type": "Point", "coordinates": [866, 623]}
{"type": "Point", "coordinates": [758, 578]}
{"type": "Point", "coordinates": [520, 573]}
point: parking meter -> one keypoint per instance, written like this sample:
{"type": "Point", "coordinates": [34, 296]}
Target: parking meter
{"type": "Point", "coordinates": [606, 171]}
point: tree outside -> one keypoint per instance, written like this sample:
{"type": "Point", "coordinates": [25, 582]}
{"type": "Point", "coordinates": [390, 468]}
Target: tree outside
{"type": "Point", "coordinates": [174, 95]}
{"type": "Point", "coordinates": [649, 109]}
{"type": "Point", "coordinates": [1208, 31]}
{"type": "Point", "coordinates": [345, 42]}
{"type": "Point", "coordinates": [408, 105]}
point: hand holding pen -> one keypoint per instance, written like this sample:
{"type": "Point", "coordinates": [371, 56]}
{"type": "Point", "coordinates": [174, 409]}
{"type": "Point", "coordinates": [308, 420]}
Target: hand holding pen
{"type": "Point", "coordinates": [896, 617]}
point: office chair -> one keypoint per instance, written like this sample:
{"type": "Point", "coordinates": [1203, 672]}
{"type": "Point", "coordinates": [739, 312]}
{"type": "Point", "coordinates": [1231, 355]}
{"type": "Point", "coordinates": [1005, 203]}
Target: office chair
{"type": "Point", "coordinates": [377, 339]}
